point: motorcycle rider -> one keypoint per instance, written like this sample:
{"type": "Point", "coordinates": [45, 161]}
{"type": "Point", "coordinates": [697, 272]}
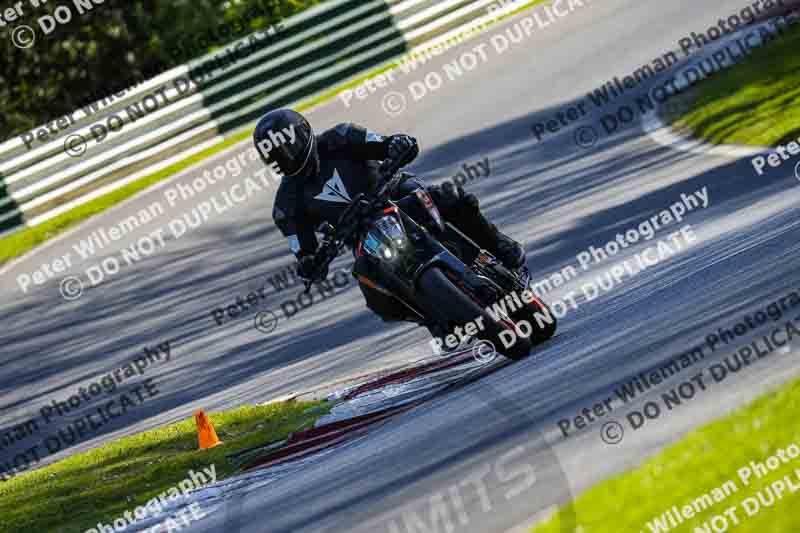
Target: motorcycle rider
{"type": "Point", "coordinates": [320, 174]}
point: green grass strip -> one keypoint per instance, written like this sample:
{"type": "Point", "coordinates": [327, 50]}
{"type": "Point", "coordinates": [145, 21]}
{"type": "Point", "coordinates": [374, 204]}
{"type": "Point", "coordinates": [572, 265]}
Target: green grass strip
{"type": "Point", "coordinates": [754, 103]}
{"type": "Point", "coordinates": [17, 244]}
{"type": "Point", "coordinates": [702, 461]}
{"type": "Point", "coordinates": [100, 485]}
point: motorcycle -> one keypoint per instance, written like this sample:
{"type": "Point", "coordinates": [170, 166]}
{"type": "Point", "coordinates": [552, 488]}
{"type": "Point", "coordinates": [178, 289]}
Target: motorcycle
{"type": "Point", "coordinates": [404, 249]}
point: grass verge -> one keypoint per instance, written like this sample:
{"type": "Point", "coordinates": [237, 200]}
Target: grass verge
{"type": "Point", "coordinates": [756, 102]}
{"type": "Point", "coordinates": [702, 461]}
{"type": "Point", "coordinates": [21, 242]}
{"type": "Point", "coordinates": [100, 485]}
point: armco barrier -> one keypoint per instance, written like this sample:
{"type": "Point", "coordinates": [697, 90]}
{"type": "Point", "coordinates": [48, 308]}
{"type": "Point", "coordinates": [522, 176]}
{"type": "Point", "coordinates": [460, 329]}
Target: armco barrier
{"type": "Point", "coordinates": [306, 54]}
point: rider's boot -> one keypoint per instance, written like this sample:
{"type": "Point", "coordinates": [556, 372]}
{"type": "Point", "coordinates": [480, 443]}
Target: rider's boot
{"type": "Point", "coordinates": [507, 250]}
{"type": "Point", "coordinates": [487, 236]}
{"type": "Point", "coordinates": [463, 210]}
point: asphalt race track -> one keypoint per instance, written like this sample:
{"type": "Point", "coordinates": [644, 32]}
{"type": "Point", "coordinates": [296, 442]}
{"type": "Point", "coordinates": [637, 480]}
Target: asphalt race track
{"type": "Point", "coordinates": [556, 196]}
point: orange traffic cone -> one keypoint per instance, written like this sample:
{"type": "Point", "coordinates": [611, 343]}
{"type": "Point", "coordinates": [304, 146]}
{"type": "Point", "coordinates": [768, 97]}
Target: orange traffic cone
{"type": "Point", "coordinates": [206, 435]}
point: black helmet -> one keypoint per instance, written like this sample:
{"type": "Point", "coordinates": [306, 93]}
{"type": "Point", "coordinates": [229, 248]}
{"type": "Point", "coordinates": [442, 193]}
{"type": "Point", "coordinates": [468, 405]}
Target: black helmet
{"type": "Point", "coordinates": [285, 137]}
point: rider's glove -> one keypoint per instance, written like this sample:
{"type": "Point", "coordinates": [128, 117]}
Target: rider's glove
{"type": "Point", "coordinates": [307, 269]}
{"type": "Point", "coordinates": [400, 145]}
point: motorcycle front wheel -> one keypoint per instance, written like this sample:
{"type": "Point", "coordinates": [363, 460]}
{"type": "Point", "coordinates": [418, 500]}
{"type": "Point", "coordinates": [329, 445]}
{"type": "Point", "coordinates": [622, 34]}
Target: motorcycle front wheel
{"type": "Point", "coordinates": [452, 307]}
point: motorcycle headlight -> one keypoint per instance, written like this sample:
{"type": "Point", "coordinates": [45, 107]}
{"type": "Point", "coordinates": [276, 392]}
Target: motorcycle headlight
{"type": "Point", "coordinates": [386, 240]}
{"type": "Point", "coordinates": [390, 227]}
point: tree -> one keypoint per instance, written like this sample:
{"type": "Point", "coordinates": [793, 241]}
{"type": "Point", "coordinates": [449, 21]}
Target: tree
{"type": "Point", "coordinates": [100, 51]}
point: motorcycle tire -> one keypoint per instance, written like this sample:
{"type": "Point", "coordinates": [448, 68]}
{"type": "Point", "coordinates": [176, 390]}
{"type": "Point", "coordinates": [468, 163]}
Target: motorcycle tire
{"type": "Point", "coordinates": [441, 294]}
{"type": "Point", "coordinates": [544, 329]}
